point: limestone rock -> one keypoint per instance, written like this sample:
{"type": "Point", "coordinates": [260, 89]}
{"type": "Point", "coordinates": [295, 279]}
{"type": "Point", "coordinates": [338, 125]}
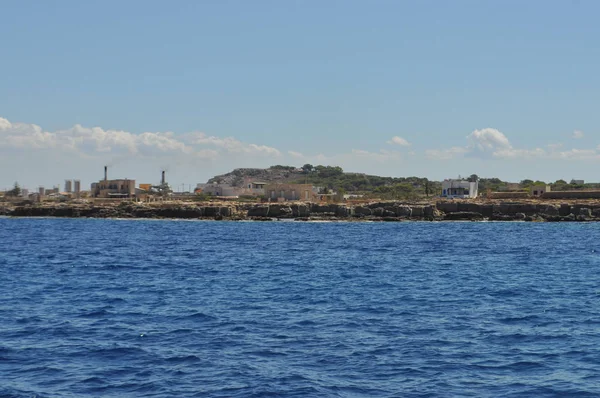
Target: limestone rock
{"type": "Point", "coordinates": [403, 211]}
{"type": "Point", "coordinates": [362, 211]}
{"type": "Point", "coordinates": [258, 211]}
{"type": "Point", "coordinates": [378, 212]}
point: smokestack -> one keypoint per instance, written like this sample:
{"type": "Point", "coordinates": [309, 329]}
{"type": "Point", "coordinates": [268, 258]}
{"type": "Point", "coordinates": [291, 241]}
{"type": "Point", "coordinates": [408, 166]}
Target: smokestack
{"type": "Point", "coordinates": [162, 179]}
{"type": "Point", "coordinates": [105, 173]}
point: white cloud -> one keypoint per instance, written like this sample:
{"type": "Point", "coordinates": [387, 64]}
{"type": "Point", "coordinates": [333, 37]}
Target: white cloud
{"type": "Point", "coordinates": [488, 139]}
{"type": "Point", "coordinates": [398, 141]}
{"type": "Point", "coordinates": [296, 155]}
{"type": "Point", "coordinates": [163, 142]}
{"type": "Point", "coordinates": [4, 124]}
{"type": "Point", "coordinates": [92, 141]}
{"type": "Point", "coordinates": [446, 154]}
{"type": "Point", "coordinates": [578, 154]}
{"type": "Point", "coordinates": [578, 134]}
{"type": "Point", "coordinates": [380, 156]}
{"type": "Point", "coordinates": [512, 153]}
{"type": "Point", "coordinates": [232, 145]}
{"type": "Point", "coordinates": [262, 149]}
{"type": "Point", "coordinates": [492, 142]}
{"type": "Point", "coordinates": [554, 147]}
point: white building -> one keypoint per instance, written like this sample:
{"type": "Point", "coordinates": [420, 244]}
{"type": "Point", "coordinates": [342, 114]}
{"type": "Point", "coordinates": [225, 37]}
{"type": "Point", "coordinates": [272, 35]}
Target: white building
{"type": "Point", "coordinates": [459, 189]}
{"type": "Point", "coordinates": [215, 189]}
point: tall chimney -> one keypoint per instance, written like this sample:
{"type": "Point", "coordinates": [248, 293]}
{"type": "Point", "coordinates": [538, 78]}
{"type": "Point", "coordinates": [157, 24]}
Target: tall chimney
{"type": "Point", "coordinates": [105, 173]}
{"type": "Point", "coordinates": [162, 179]}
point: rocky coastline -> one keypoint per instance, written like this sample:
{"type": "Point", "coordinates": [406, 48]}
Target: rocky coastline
{"type": "Point", "coordinates": [376, 211]}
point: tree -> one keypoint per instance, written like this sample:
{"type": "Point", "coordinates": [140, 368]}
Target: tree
{"type": "Point", "coordinates": [329, 171]}
{"type": "Point", "coordinates": [473, 178]}
{"type": "Point", "coordinates": [560, 182]}
{"type": "Point", "coordinates": [307, 168]}
{"type": "Point", "coordinates": [526, 183]}
{"type": "Point", "coordinates": [16, 191]}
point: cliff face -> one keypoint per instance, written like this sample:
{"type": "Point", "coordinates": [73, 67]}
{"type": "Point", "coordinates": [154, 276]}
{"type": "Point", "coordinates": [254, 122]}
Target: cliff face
{"type": "Point", "coordinates": [379, 211]}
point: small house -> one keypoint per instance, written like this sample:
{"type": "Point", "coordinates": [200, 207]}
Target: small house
{"type": "Point", "coordinates": [459, 189]}
{"type": "Point", "coordinates": [539, 190]}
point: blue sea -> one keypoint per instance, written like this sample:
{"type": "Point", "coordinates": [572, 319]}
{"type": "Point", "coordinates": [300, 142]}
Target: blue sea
{"type": "Point", "coordinates": [133, 308]}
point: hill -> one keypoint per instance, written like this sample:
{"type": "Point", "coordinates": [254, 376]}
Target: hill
{"type": "Point", "coordinates": [334, 178]}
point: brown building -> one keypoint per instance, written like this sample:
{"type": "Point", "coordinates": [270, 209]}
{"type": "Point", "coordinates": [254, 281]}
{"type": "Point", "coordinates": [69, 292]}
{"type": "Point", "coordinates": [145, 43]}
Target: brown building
{"type": "Point", "coordinates": [122, 188]}
{"type": "Point", "coordinates": [290, 192]}
{"type": "Point", "coordinates": [114, 189]}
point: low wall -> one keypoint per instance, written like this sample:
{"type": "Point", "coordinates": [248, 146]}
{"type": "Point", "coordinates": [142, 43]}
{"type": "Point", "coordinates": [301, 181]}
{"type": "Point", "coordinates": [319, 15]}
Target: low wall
{"type": "Point", "coordinates": [571, 195]}
{"type": "Point", "coordinates": [508, 195]}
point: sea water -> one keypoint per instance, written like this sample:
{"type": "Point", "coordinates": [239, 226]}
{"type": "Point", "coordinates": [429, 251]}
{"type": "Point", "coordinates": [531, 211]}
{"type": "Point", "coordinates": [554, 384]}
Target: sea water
{"type": "Point", "coordinates": [119, 308]}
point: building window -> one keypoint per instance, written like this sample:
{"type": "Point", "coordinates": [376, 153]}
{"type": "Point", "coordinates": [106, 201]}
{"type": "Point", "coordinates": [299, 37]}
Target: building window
{"type": "Point", "coordinates": [293, 194]}
{"type": "Point", "coordinates": [282, 194]}
{"type": "Point", "coordinates": [444, 192]}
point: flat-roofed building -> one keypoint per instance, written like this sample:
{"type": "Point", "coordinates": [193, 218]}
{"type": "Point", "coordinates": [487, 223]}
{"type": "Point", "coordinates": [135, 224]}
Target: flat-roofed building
{"type": "Point", "coordinates": [291, 192]}
{"type": "Point", "coordinates": [459, 189]}
{"type": "Point", "coordinates": [122, 188]}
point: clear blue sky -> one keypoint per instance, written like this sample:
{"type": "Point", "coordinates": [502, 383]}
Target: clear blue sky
{"type": "Point", "coordinates": [497, 88]}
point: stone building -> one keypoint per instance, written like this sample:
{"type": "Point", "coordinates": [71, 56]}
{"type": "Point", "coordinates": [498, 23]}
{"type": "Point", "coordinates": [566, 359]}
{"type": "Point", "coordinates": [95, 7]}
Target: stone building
{"type": "Point", "coordinates": [539, 190]}
{"type": "Point", "coordinates": [277, 192]}
{"type": "Point", "coordinates": [121, 188]}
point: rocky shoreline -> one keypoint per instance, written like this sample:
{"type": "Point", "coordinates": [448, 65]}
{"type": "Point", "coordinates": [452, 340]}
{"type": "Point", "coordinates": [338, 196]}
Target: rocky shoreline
{"type": "Point", "coordinates": [377, 211]}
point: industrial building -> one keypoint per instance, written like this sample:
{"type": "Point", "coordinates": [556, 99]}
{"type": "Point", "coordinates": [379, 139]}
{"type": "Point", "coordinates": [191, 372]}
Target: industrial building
{"type": "Point", "coordinates": [120, 188]}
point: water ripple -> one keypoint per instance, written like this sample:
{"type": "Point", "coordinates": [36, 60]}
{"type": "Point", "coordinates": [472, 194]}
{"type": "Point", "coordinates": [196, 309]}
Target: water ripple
{"type": "Point", "coordinates": [131, 308]}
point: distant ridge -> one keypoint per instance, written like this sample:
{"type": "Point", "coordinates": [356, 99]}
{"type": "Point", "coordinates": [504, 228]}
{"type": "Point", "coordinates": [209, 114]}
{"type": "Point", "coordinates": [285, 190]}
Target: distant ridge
{"type": "Point", "coordinates": [333, 177]}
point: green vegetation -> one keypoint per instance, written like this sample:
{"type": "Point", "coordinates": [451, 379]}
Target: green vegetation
{"type": "Point", "coordinates": [201, 197]}
{"type": "Point", "coordinates": [334, 178]}
{"type": "Point", "coordinates": [280, 167]}
{"type": "Point", "coordinates": [497, 185]}
{"type": "Point", "coordinates": [16, 191]}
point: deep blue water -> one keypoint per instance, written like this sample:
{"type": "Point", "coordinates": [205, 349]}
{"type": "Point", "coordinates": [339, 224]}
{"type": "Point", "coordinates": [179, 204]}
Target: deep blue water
{"type": "Point", "coordinates": [220, 309]}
